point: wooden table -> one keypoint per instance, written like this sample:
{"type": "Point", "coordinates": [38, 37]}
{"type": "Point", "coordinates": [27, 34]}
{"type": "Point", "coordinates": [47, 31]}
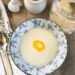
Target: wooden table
{"type": "Point", "coordinates": [68, 67]}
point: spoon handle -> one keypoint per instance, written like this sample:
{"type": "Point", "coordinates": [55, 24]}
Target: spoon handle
{"type": "Point", "coordinates": [6, 63]}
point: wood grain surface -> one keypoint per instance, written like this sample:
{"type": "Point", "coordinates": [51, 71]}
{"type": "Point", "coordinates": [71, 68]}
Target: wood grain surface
{"type": "Point", "coordinates": [68, 67]}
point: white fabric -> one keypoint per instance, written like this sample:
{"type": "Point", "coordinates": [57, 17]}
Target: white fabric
{"type": "Point", "coordinates": [16, 71]}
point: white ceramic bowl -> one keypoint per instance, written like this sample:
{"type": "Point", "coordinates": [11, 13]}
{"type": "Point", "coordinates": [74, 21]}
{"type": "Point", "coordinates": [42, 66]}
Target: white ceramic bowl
{"type": "Point", "coordinates": [23, 29]}
{"type": "Point", "coordinates": [35, 7]}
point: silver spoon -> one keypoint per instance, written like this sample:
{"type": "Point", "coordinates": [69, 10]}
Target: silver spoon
{"type": "Point", "coordinates": [3, 53]}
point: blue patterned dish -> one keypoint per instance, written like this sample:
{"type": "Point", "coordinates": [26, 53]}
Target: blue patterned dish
{"type": "Point", "coordinates": [23, 29]}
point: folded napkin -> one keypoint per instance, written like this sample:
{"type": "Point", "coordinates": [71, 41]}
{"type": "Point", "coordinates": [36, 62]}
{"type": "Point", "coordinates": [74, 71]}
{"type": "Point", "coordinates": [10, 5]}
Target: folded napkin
{"type": "Point", "coordinates": [16, 71]}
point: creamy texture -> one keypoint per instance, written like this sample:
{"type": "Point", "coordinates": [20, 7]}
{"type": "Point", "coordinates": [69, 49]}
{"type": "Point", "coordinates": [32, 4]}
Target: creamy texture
{"type": "Point", "coordinates": [38, 47]}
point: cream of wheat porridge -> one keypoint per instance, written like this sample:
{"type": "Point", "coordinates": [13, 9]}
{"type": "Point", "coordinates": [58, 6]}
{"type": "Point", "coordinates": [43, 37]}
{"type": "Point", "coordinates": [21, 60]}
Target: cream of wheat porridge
{"type": "Point", "coordinates": [38, 47]}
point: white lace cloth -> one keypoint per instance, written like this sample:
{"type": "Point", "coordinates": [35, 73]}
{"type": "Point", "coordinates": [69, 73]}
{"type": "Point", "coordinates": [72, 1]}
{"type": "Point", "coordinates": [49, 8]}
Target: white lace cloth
{"type": "Point", "coordinates": [16, 71]}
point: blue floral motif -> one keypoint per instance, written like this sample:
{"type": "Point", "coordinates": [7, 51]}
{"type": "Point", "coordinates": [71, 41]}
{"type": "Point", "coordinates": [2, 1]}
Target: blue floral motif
{"type": "Point", "coordinates": [25, 31]}
{"type": "Point", "coordinates": [23, 66]}
{"type": "Point", "coordinates": [16, 35]}
{"type": "Point", "coordinates": [36, 23]}
{"type": "Point", "coordinates": [18, 65]}
{"type": "Point", "coordinates": [56, 63]}
{"type": "Point", "coordinates": [12, 44]}
{"type": "Point", "coordinates": [14, 41]}
{"type": "Point", "coordinates": [61, 57]}
{"type": "Point", "coordinates": [23, 25]}
{"type": "Point", "coordinates": [60, 43]}
{"type": "Point", "coordinates": [43, 25]}
{"type": "Point", "coordinates": [49, 26]}
{"type": "Point", "coordinates": [16, 55]}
